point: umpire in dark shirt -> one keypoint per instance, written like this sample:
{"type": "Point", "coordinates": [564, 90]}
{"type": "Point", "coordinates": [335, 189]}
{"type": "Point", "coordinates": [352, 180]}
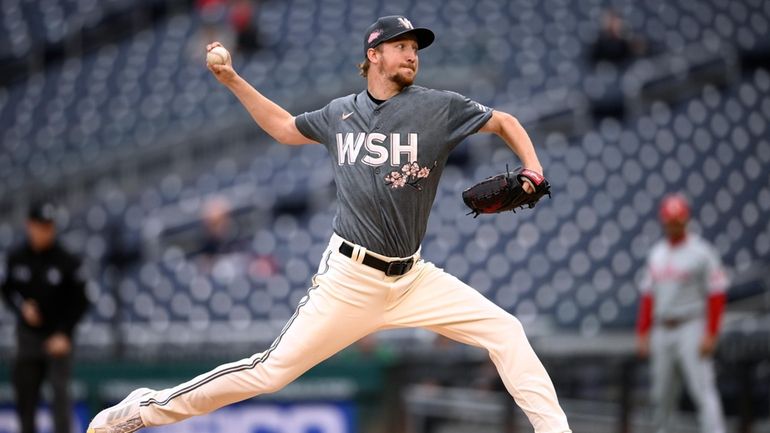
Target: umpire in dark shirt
{"type": "Point", "coordinates": [45, 289]}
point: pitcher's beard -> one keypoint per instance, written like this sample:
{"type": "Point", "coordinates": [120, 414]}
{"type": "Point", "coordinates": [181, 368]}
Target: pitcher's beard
{"type": "Point", "coordinates": [400, 79]}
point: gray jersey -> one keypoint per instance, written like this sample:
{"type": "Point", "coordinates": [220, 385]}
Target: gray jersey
{"type": "Point", "coordinates": [388, 158]}
{"type": "Point", "coordinates": [681, 278]}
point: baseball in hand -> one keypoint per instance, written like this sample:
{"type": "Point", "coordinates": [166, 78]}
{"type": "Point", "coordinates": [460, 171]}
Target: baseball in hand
{"type": "Point", "coordinates": [217, 56]}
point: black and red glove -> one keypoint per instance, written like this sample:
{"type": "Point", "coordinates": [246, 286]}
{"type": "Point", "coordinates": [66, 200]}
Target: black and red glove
{"type": "Point", "coordinates": [505, 192]}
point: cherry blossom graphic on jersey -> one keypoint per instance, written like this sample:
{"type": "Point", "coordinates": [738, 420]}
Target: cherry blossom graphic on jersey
{"type": "Point", "coordinates": [411, 174]}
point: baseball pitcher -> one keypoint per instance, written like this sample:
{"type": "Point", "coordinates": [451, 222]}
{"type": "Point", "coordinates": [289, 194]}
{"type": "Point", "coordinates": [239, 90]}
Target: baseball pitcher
{"type": "Point", "coordinates": [683, 297]}
{"type": "Point", "coordinates": [388, 145]}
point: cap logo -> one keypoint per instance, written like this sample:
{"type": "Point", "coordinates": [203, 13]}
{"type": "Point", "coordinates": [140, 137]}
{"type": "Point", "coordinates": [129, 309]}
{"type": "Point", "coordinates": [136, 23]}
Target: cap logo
{"type": "Point", "coordinates": [373, 35]}
{"type": "Point", "coordinates": [405, 23]}
{"type": "Point", "coordinates": [674, 207]}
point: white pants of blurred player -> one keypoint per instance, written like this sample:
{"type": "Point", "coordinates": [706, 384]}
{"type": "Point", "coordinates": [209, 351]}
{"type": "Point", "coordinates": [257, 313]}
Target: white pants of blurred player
{"type": "Point", "coordinates": [675, 353]}
{"type": "Point", "coordinates": [349, 300]}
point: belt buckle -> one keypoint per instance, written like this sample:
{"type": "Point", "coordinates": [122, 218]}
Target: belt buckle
{"type": "Point", "coordinates": [397, 268]}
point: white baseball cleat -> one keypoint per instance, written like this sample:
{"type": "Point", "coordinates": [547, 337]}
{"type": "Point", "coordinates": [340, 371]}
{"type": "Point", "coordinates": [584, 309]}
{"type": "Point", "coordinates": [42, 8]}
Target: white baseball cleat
{"type": "Point", "coordinates": [121, 418]}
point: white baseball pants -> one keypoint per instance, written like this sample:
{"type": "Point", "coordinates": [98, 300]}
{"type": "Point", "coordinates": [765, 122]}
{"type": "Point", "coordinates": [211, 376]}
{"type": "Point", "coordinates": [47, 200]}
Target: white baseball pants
{"type": "Point", "coordinates": [349, 300]}
{"type": "Point", "coordinates": [675, 353]}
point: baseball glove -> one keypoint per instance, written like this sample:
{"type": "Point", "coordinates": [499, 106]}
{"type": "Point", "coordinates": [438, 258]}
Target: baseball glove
{"type": "Point", "coordinates": [505, 192]}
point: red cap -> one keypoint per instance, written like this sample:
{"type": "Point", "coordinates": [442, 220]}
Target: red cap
{"type": "Point", "coordinates": [674, 207]}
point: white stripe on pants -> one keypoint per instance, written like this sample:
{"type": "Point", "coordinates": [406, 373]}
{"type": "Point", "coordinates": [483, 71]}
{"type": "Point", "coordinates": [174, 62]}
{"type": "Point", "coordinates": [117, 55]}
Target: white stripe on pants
{"type": "Point", "coordinates": [349, 300]}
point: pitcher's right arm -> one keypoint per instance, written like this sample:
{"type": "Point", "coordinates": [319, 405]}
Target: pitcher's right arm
{"type": "Point", "coordinates": [271, 117]}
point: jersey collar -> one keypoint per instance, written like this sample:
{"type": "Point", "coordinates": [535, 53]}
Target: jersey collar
{"type": "Point", "coordinates": [373, 99]}
{"type": "Point", "coordinates": [368, 100]}
{"type": "Point", "coordinates": [677, 241]}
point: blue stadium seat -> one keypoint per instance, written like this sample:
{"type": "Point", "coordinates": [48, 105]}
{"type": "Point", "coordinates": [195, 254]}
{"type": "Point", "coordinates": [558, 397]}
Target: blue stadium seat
{"type": "Point", "coordinates": [575, 260]}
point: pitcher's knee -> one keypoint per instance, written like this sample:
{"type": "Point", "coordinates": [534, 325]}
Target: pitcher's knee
{"type": "Point", "coordinates": [507, 332]}
{"type": "Point", "coordinates": [271, 386]}
{"type": "Point", "coordinates": [513, 325]}
{"type": "Point", "coordinates": [274, 383]}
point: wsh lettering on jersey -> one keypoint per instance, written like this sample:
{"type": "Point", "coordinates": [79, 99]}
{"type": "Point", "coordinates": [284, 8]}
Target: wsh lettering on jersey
{"type": "Point", "coordinates": [378, 148]}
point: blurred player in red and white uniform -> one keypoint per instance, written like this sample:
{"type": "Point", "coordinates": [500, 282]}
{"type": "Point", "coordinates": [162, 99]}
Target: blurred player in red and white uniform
{"type": "Point", "coordinates": [683, 297]}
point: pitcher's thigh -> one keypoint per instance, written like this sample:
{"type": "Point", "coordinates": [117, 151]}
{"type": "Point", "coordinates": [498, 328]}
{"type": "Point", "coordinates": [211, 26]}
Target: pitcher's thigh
{"type": "Point", "coordinates": [441, 302]}
{"type": "Point", "coordinates": [316, 334]}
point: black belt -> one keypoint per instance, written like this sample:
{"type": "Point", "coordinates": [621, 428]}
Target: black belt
{"type": "Point", "coordinates": [674, 322]}
{"type": "Point", "coordinates": [394, 268]}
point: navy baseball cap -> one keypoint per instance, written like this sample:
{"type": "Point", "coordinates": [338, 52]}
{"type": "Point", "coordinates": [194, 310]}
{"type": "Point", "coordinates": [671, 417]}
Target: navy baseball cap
{"type": "Point", "coordinates": [393, 26]}
{"type": "Point", "coordinates": [43, 212]}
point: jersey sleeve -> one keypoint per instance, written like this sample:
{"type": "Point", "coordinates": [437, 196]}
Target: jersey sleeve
{"type": "Point", "coordinates": [644, 316]}
{"type": "Point", "coordinates": [75, 278]}
{"type": "Point", "coordinates": [9, 295]}
{"type": "Point", "coordinates": [314, 124]}
{"type": "Point", "coordinates": [646, 299]}
{"type": "Point", "coordinates": [716, 280]}
{"type": "Point", "coordinates": [645, 282]}
{"type": "Point", "coordinates": [465, 117]}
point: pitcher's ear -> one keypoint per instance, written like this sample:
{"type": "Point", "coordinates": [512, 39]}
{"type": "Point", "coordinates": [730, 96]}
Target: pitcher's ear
{"type": "Point", "coordinates": [371, 54]}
